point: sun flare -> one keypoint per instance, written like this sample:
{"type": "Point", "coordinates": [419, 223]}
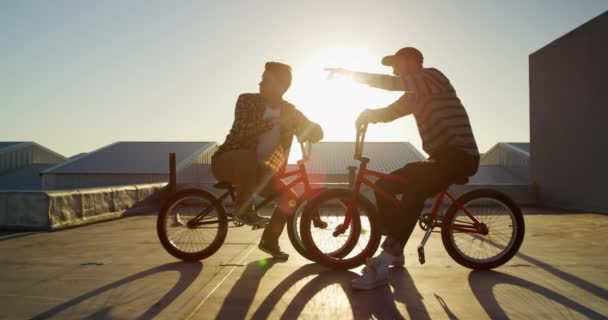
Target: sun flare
{"type": "Point", "coordinates": [336, 103]}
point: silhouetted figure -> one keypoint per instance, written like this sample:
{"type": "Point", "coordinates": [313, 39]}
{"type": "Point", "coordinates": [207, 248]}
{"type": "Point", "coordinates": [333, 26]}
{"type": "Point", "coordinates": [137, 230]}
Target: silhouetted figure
{"type": "Point", "coordinates": [446, 136]}
{"type": "Point", "coordinates": [257, 148]}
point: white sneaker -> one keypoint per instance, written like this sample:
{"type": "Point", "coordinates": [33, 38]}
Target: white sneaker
{"type": "Point", "coordinates": [399, 261]}
{"type": "Point", "coordinates": [375, 274]}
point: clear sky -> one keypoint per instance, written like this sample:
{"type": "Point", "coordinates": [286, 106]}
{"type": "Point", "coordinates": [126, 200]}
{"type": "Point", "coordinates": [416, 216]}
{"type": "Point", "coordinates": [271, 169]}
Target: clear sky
{"type": "Point", "coordinates": [78, 75]}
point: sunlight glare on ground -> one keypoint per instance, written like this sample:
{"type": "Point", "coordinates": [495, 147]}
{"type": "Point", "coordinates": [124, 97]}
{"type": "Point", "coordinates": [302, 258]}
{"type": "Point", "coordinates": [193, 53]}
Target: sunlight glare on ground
{"type": "Point", "coordinates": [263, 262]}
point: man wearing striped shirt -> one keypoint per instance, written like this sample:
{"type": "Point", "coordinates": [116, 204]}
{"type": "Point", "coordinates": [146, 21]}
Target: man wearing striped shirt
{"type": "Point", "coordinates": [446, 136]}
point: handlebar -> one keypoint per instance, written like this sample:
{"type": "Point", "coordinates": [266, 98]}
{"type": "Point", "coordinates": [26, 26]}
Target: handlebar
{"type": "Point", "coordinates": [306, 148]}
{"type": "Point", "coordinates": [360, 141]}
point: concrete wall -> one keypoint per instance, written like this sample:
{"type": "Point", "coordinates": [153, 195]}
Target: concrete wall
{"type": "Point", "coordinates": [68, 181]}
{"type": "Point", "coordinates": [568, 117]}
{"type": "Point", "coordinates": [49, 210]}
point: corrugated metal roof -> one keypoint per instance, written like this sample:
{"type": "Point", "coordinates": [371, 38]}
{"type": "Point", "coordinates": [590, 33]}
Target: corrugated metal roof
{"type": "Point", "coordinates": [494, 175]}
{"type": "Point", "coordinates": [77, 155]}
{"type": "Point", "coordinates": [525, 146]}
{"type": "Point", "coordinates": [6, 144]}
{"type": "Point", "coordinates": [24, 179]}
{"type": "Point", "coordinates": [12, 146]}
{"type": "Point", "coordinates": [334, 157]}
{"type": "Point", "coordinates": [499, 151]}
{"type": "Point", "coordinates": [132, 158]}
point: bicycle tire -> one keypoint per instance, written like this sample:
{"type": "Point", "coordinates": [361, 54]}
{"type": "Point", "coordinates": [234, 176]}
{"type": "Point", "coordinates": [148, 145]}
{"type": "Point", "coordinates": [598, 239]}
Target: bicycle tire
{"type": "Point", "coordinates": [484, 198]}
{"type": "Point", "coordinates": [162, 224]}
{"type": "Point", "coordinates": [293, 227]}
{"type": "Point", "coordinates": [333, 260]}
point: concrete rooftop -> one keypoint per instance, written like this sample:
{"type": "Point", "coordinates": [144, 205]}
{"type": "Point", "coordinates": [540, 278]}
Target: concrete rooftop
{"type": "Point", "coordinates": [118, 270]}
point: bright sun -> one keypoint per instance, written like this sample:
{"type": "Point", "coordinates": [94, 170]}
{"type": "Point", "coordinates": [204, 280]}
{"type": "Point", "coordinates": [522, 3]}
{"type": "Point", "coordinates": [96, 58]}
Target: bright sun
{"type": "Point", "coordinates": [335, 104]}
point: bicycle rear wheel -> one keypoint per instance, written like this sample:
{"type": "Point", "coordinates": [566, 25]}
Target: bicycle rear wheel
{"type": "Point", "coordinates": [192, 225]}
{"type": "Point", "coordinates": [344, 250]}
{"type": "Point", "coordinates": [500, 218]}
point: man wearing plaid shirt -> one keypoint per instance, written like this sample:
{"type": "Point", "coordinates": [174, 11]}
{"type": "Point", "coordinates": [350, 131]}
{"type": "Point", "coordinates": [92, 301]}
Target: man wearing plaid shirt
{"type": "Point", "coordinates": [257, 148]}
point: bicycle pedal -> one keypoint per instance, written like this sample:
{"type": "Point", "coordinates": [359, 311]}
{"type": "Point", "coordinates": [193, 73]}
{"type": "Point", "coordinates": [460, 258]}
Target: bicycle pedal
{"type": "Point", "coordinates": [258, 226]}
{"type": "Point", "coordinates": [421, 254]}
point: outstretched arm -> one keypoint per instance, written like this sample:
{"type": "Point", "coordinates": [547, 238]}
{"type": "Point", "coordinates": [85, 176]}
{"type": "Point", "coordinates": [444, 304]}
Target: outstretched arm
{"type": "Point", "coordinates": [381, 81]}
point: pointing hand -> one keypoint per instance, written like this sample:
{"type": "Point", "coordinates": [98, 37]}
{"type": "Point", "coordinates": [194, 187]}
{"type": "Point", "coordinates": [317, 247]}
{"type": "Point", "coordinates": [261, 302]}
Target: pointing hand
{"type": "Point", "coordinates": [337, 72]}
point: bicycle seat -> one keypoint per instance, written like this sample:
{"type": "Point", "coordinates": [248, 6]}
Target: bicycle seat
{"type": "Point", "coordinates": [461, 181]}
{"type": "Point", "coordinates": [223, 185]}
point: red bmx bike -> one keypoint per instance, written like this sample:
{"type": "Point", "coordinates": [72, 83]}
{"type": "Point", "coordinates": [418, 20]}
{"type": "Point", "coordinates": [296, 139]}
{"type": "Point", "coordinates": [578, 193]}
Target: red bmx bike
{"type": "Point", "coordinates": [481, 229]}
{"type": "Point", "coordinates": [192, 224]}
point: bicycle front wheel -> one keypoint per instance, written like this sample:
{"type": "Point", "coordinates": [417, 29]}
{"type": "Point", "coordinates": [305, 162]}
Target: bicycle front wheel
{"type": "Point", "coordinates": [295, 219]}
{"type": "Point", "coordinates": [192, 225]}
{"type": "Point", "coordinates": [502, 224]}
{"type": "Point", "coordinates": [339, 250]}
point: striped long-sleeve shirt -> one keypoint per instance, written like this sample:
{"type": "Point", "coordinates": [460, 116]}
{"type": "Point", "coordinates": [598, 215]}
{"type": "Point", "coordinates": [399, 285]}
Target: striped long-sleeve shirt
{"type": "Point", "coordinates": [440, 116]}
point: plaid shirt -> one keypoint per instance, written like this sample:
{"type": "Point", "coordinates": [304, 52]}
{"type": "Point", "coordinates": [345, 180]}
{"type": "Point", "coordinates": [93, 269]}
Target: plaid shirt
{"type": "Point", "coordinates": [249, 124]}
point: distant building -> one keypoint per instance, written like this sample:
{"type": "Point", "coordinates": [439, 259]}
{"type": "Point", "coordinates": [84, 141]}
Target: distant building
{"type": "Point", "coordinates": [330, 160]}
{"type": "Point", "coordinates": [568, 116]}
{"type": "Point", "coordinates": [22, 162]}
{"type": "Point", "coordinates": [506, 168]}
{"type": "Point", "coordinates": [132, 163]}
{"type": "Point", "coordinates": [513, 157]}
{"type": "Point", "coordinates": [503, 168]}
{"type": "Point", "coordinates": [15, 155]}
{"type": "Point", "coordinates": [77, 156]}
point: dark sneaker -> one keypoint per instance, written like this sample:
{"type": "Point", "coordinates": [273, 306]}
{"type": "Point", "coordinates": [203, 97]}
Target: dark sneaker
{"type": "Point", "coordinates": [252, 219]}
{"type": "Point", "coordinates": [274, 250]}
{"type": "Point", "coordinates": [318, 223]}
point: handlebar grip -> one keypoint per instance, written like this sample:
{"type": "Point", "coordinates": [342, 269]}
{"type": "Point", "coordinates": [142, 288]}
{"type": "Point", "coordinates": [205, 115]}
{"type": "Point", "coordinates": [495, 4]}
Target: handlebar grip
{"type": "Point", "coordinates": [306, 148]}
{"type": "Point", "coordinates": [361, 130]}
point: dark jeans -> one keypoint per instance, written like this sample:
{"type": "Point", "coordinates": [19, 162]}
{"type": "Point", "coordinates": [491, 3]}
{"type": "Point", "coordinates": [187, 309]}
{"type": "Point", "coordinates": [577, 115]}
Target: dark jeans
{"type": "Point", "coordinates": [284, 205]}
{"type": "Point", "coordinates": [240, 168]}
{"type": "Point", "coordinates": [426, 179]}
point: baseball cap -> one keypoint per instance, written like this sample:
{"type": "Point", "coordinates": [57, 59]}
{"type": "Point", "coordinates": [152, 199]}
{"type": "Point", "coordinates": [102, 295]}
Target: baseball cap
{"type": "Point", "coordinates": [407, 52]}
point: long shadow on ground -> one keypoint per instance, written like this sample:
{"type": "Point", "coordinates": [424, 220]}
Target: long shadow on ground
{"type": "Point", "coordinates": [188, 272]}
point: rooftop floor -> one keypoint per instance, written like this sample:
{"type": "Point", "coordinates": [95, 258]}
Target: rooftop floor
{"type": "Point", "coordinates": [119, 270]}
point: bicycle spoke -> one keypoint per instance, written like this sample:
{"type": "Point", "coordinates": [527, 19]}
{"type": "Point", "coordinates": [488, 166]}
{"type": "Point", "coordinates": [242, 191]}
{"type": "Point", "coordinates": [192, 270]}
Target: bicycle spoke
{"type": "Point", "coordinates": [499, 223]}
{"type": "Point", "coordinates": [194, 230]}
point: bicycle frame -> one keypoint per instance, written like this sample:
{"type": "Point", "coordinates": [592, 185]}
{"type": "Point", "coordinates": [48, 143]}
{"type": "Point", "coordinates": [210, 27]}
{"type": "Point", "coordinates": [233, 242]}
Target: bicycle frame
{"type": "Point", "coordinates": [361, 179]}
{"type": "Point", "coordinates": [302, 178]}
